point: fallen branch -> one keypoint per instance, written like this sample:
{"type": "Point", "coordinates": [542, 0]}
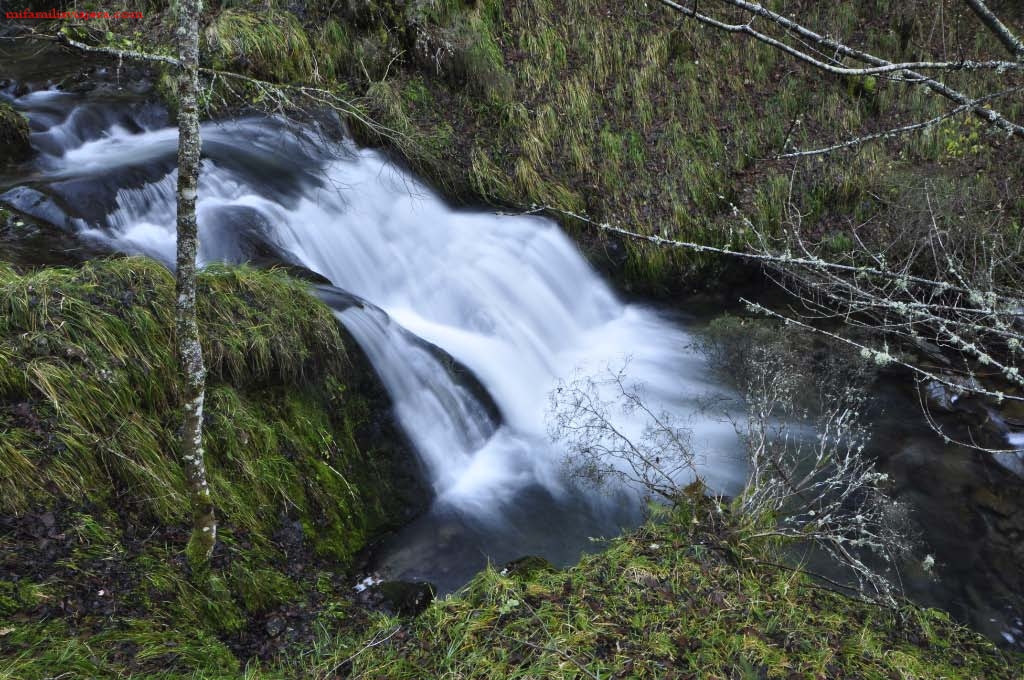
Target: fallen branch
{"type": "Point", "coordinates": [786, 260]}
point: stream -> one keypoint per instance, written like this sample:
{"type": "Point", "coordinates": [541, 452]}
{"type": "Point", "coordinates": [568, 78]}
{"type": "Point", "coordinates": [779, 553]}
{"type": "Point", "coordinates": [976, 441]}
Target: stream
{"type": "Point", "coordinates": [507, 298]}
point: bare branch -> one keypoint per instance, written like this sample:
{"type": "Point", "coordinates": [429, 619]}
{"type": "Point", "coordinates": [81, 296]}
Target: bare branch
{"type": "Point", "coordinates": [771, 258]}
{"type": "Point", "coordinates": [998, 28]}
{"type": "Point", "coordinates": [915, 127]}
{"type": "Point", "coordinates": [881, 357]}
{"type": "Point", "coordinates": [587, 415]}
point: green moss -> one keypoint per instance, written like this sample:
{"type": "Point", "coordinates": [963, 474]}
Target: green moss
{"type": "Point", "coordinates": [89, 402]}
{"type": "Point", "coordinates": [89, 353]}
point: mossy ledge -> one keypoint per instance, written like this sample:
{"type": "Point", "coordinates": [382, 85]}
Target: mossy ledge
{"type": "Point", "coordinates": [304, 467]}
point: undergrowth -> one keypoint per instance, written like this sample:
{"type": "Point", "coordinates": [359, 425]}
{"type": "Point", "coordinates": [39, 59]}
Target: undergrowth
{"type": "Point", "coordinates": [632, 115]}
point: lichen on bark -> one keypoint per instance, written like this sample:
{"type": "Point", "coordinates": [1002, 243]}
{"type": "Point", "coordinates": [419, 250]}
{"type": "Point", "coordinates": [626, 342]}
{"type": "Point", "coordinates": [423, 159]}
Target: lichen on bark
{"type": "Point", "coordinates": [189, 350]}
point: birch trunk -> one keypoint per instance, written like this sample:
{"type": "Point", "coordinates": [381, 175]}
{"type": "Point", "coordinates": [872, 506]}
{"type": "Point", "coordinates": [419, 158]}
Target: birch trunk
{"type": "Point", "coordinates": [190, 355]}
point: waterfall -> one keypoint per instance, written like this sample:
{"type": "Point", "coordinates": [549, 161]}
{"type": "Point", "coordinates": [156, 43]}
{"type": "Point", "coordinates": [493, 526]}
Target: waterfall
{"type": "Point", "coordinates": [508, 297]}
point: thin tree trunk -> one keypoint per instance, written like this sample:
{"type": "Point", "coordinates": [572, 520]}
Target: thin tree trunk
{"type": "Point", "coordinates": [190, 354]}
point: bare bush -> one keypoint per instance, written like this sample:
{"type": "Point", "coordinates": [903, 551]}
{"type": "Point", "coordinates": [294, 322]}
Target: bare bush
{"type": "Point", "coordinates": [588, 416]}
{"type": "Point", "coordinates": [951, 296]}
{"type": "Point", "coordinates": [805, 434]}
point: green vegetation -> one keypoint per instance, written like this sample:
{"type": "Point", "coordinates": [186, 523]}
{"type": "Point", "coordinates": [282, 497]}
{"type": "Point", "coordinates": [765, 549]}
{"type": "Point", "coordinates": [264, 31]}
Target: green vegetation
{"type": "Point", "coordinates": [625, 112]}
{"type": "Point", "coordinates": [272, 46]}
{"type": "Point", "coordinates": [14, 141]}
{"type": "Point", "coordinates": [94, 500]}
{"type": "Point", "coordinates": [615, 109]}
{"type": "Point", "coordinates": [683, 598]}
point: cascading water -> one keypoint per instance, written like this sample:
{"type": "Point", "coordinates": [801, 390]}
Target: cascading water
{"type": "Point", "coordinates": [508, 297]}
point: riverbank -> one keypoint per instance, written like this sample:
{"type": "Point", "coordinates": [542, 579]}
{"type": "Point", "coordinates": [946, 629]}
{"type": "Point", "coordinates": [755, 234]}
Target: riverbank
{"type": "Point", "coordinates": [691, 596]}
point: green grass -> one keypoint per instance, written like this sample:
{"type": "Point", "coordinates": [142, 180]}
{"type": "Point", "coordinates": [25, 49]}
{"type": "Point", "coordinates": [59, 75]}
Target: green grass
{"type": "Point", "coordinates": [679, 599]}
{"type": "Point", "coordinates": [88, 356]}
{"type": "Point", "coordinates": [271, 45]}
{"type": "Point", "coordinates": [89, 410]}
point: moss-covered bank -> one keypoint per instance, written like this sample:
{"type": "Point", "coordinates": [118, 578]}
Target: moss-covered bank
{"type": "Point", "coordinates": [304, 465]}
{"type": "Point", "coordinates": [690, 597]}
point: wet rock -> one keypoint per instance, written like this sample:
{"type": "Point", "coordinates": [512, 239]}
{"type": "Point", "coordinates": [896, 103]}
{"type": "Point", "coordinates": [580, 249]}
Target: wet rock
{"type": "Point", "coordinates": [37, 205]}
{"type": "Point", "coordinates": [404, 598]}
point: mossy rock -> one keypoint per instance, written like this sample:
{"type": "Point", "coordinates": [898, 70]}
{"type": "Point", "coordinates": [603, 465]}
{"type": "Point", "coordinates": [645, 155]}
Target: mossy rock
{"type": "Point", "coordinates": [14, 136]}
{"type": "Point", "coordinates": [89, 393]}
{"type": "Point", "coordinates": [526, 567]}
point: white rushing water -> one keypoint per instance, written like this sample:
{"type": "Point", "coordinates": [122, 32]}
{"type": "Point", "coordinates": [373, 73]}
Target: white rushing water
{"type": "Point", "coordinates": [509, 297]}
